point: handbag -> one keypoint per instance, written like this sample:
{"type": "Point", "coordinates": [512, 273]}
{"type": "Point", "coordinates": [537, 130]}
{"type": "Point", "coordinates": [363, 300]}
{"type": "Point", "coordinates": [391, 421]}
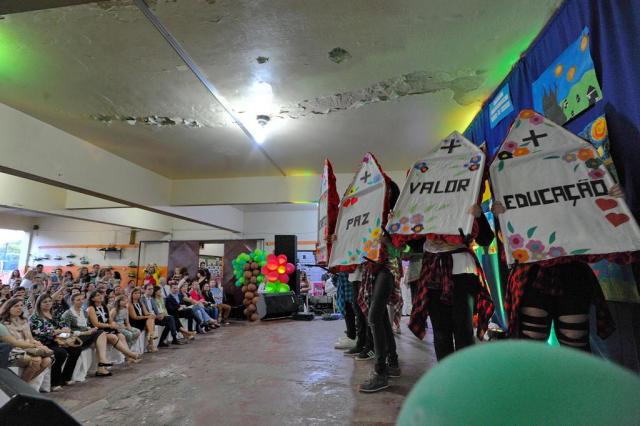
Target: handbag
{"type": "Point", "coordinates": [69, 342]}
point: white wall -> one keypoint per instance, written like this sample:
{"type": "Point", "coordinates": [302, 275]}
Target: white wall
{"type": "Point", "coordinates": [212, 250]}
{"type": "Point", "coordinates": [62, 231]}
{"type": "Point", "coordinates": [265, 225]}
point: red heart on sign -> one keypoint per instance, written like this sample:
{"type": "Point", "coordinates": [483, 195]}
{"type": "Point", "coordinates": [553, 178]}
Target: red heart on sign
{"type": "Point", "coordinates": [606, 204]}
{"type": "Point", "coordinates": [354, 200]}
{"type": "Point", "coordinates": [617, 219]}
{"type": "Point", "coordinates": [347, 203]}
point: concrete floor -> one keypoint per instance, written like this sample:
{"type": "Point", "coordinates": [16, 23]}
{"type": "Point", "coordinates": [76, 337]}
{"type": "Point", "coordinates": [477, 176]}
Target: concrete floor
{"type": "Point", "coordinates": [270, 373]}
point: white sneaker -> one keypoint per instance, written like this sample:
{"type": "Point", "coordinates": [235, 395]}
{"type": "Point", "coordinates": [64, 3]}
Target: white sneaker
{"type": "Point", "coordinates": [345, 343]}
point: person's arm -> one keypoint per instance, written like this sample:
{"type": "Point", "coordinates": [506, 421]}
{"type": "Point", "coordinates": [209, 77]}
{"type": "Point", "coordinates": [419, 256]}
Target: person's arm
{"type": "Point", "coordinates": [17, 343]}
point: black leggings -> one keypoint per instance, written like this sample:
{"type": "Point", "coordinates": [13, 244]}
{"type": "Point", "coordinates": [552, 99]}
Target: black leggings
{"type": "Point", "coordinates": [569, 313]}
{"type": "Point", "coordinates": [350, 320]}
{"type": "Point", "coordinates": [453, 321]}
{"type": "Point", "coordinates": [64, 363]}
{"type": "Point", "coordinates": [383, 338]}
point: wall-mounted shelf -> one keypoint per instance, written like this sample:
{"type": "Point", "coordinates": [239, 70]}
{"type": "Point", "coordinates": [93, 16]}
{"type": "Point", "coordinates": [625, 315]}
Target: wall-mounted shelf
{"type": "Point", "coordinates": [106, 250]}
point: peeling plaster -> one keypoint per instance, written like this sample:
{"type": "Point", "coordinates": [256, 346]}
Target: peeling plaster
{"type": "Point", "coordinates": [414, 83]}
{"type": "Point", "coordinates": [262, 59]}
{"type": "Point", "coordinates": [151, 120]}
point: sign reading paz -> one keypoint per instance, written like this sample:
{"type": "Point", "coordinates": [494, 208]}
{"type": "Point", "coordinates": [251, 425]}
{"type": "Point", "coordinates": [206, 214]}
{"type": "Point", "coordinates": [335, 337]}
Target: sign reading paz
{"type": "Point", "coordinates": [556, 193]}
{"type": "Point", "coordinates": [439, 190]}
{"type": "Point", "coordinates": [360, 217]}
{"type": "Point", "coordinates": [327, 212]}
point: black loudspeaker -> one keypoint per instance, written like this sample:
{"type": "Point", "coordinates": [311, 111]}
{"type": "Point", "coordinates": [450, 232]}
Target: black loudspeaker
{"type": "Point", "coordinates": [288, 245]}
{"type": "Point", "coordinates": [276, 305]}
{"type": "Point", "coordinates": [20, 404]}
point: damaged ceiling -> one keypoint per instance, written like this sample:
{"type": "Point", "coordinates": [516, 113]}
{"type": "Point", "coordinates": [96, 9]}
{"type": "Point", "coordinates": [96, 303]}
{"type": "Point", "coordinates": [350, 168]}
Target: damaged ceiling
{"type": "Point", "coordinates": [346, 77]}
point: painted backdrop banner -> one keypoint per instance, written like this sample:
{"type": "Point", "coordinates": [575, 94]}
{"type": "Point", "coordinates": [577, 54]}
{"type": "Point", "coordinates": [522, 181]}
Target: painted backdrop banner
{"type": "Point", "coordinates": [327, 212]}
{"type": "Point", "coordinates": [555, 190]}
{"type": "Point", "coordinates": [569, 85]}
{"type": "Point", "coordinates": [439, 190]}
{"type": "Point", "coordinates": [360, 217]}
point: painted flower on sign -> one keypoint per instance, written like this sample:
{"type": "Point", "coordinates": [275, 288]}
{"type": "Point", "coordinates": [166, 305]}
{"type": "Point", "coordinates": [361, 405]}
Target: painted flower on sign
{"type": "Point", "coordinates": [536, 119]}
{"type": "Point", "coordinates": [535, 246]}
{"type": "Point", "coordinates": [421, 166]}
{"type": "Point", "coordinates": [510, 146]}
{"type": "Point", "coordinates": [520, 255]}
{"type": "Point", "coordinates": [585, 153]}
{"type": "Point", "coordinates": [593, 163]}
{"type": "Point", "coordinates": [404, 220]}
{"type": "Point", "coordinates": [394, 227]}
{"type": "Point", "coordinates": [417, 218]}
{"type": "Point", "coordinates": [569, 157]}
{"type": "Point", "coordinates": [375, 234]}
{"type": "Point", "coordinates": [557, 252]}
{"type": "Point", "coordinates": [527, 113]}
{"type": "Point", "coordinates": [504, 155]}
{"type": "Point", "coordinates": [474, 167]}
{"type": "Point", "coordinates": [516, 241]}
{"type": "Point", "coordinates": [520, 152]}
{"type": "Point", "coordinates": [418, 228]}
{"type": "Point", "coordinates": [596, 174]}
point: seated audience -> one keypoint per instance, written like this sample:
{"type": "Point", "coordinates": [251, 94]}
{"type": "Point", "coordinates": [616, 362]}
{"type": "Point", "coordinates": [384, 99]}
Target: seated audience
{"type": "Point", "coordinates": [84, 276]}
{"type": "Point", "coordinates": [5, 293]}
{"type": "Point", "coordinates": [196, 294]}
{"type": "Point", "coordinates": [77, 322]}
{"type": "Point", "coordinates": [161, 318]}
{"type": "Point", "coordinates": [15, 279]}
{"type": "Point", "coordinates": [99, 317]}
{"type": "Point", "coordinates": [142, 319]}
{"type": "Point", "coordinates": [30, 355]}
{"type": "Point", "coordinates": [197, 307]}
{"type": "Point", "coordinates": [49, 329]}
{"type": "Point", "coordinates": [120, 314]}
{"type": "Point", "coordinates": [160, 310]}
{"type": "Point", "coordinates": [178, 308]}
{"type": "Point", "coordinates": [213, 294]}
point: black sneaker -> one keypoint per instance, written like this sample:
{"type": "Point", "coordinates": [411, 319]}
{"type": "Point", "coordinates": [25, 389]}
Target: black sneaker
{"type": "Point", "coordinates": [163, 345]}
{"type": "Point", "coordinates": [365, 355]}
{"type": "Point", "coordinates": [393, 370]}
{"type": "Point", "coordinates": [375, 383]}
{"type": "Point", "coordinates": [178, 342]}
{"type": "Point", "coordinates": [352, 352]}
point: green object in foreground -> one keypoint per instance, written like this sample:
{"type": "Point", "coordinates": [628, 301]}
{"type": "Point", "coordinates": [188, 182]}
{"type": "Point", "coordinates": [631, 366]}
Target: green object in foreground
{"type": "Point", "coordinates": [518, 382]}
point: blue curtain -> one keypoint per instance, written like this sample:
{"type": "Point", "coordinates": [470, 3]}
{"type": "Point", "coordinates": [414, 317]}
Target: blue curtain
{"type": "Point", "coordinates": [615, 49]}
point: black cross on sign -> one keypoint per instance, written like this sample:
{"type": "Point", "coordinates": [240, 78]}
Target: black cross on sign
{"type": "Point", "coordinates": [451, 147]}
{"type": "Point", "coordinates": [534, 138]}
{"type": "Point", "coordinates": [366, 176]}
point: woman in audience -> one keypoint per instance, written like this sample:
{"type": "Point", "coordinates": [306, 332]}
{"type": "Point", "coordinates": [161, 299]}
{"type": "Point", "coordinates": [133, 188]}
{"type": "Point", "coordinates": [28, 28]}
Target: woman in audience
{"type": "Point", "coordinates": [99, 318]}
{"type": "Point", "coordinates": [305, 285]}
{"type": "Point", "coordinates": [28, 280]}
{"type": "Point", "coordinates": [120, 313]}
{"type": "Point", "coordinates": [15, 279]}
{"type": "Point", "coordinates": [213, 293]}
{"type": "Point", "coordinates": [77, 321]}
{"type": "Point", "coordinates": [84, 276]}
{"type": "Point", "coordinates": [60, 305]}
{"type": "Point", "coordinates": [111, 299]}
{"type": "Point", "coordinates": [201, 277]}
{"type": "Point", "coordinates": [141, 319]}
{"type": "Point", "coordinates": [5, 293]}
{"type": "Point", "coordinates": [160, 307]}
{"type": "Point", "coordinates": [67, 278]}
{"type": "Point", "coordinates": [197, 308]}
{"type": "Point", "coordinates": [46, 327]}
{"type": "Point", "coordinates": [196, 294]}
{"type": "Point", "coordinates": [14, 330]}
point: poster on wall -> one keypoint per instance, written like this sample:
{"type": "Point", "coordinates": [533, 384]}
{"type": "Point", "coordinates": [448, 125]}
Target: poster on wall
{"type": "Point", "coordinates": [327, 212]}
{"type": "Point", "coordinates": [360, 218]}
{"type": "Point", "coordinates": [570, 85]}
{"type": "Point", "coordinates": [596, 133]}
{"type": "Point", "coordinates": [556, 193]}
{"type": "Point", "coordinates": [439, 190]}
{"type": "Point", "coordinates": [500, 107]}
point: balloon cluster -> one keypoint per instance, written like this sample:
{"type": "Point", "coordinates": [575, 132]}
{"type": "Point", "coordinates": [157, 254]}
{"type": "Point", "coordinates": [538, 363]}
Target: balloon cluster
{"type": "Point", "coordinates": [246, 269]}
{"type": "Point", "coordinates": [276, 272]}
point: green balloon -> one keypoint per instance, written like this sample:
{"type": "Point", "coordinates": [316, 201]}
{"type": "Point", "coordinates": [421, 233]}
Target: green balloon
{"type": "Point", "coordinates": [260, 278]}
{"type": "Point", "coordinates": [271, 288]}
{"type": "Point", "coordinates": [238, 284]}
{"type": "Point", "coordinates": [283, 288]}
{"type": "Point", "coordinates": [263, 263]}
{"type": "Point", "coordinates": [241, 280]}
{"type": "Point", "coordinates": [517, 382]}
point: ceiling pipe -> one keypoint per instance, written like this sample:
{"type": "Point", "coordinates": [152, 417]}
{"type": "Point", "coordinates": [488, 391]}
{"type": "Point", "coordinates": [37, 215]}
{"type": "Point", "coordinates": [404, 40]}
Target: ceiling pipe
{"type": "Point", "coordinates": [186, 58]}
